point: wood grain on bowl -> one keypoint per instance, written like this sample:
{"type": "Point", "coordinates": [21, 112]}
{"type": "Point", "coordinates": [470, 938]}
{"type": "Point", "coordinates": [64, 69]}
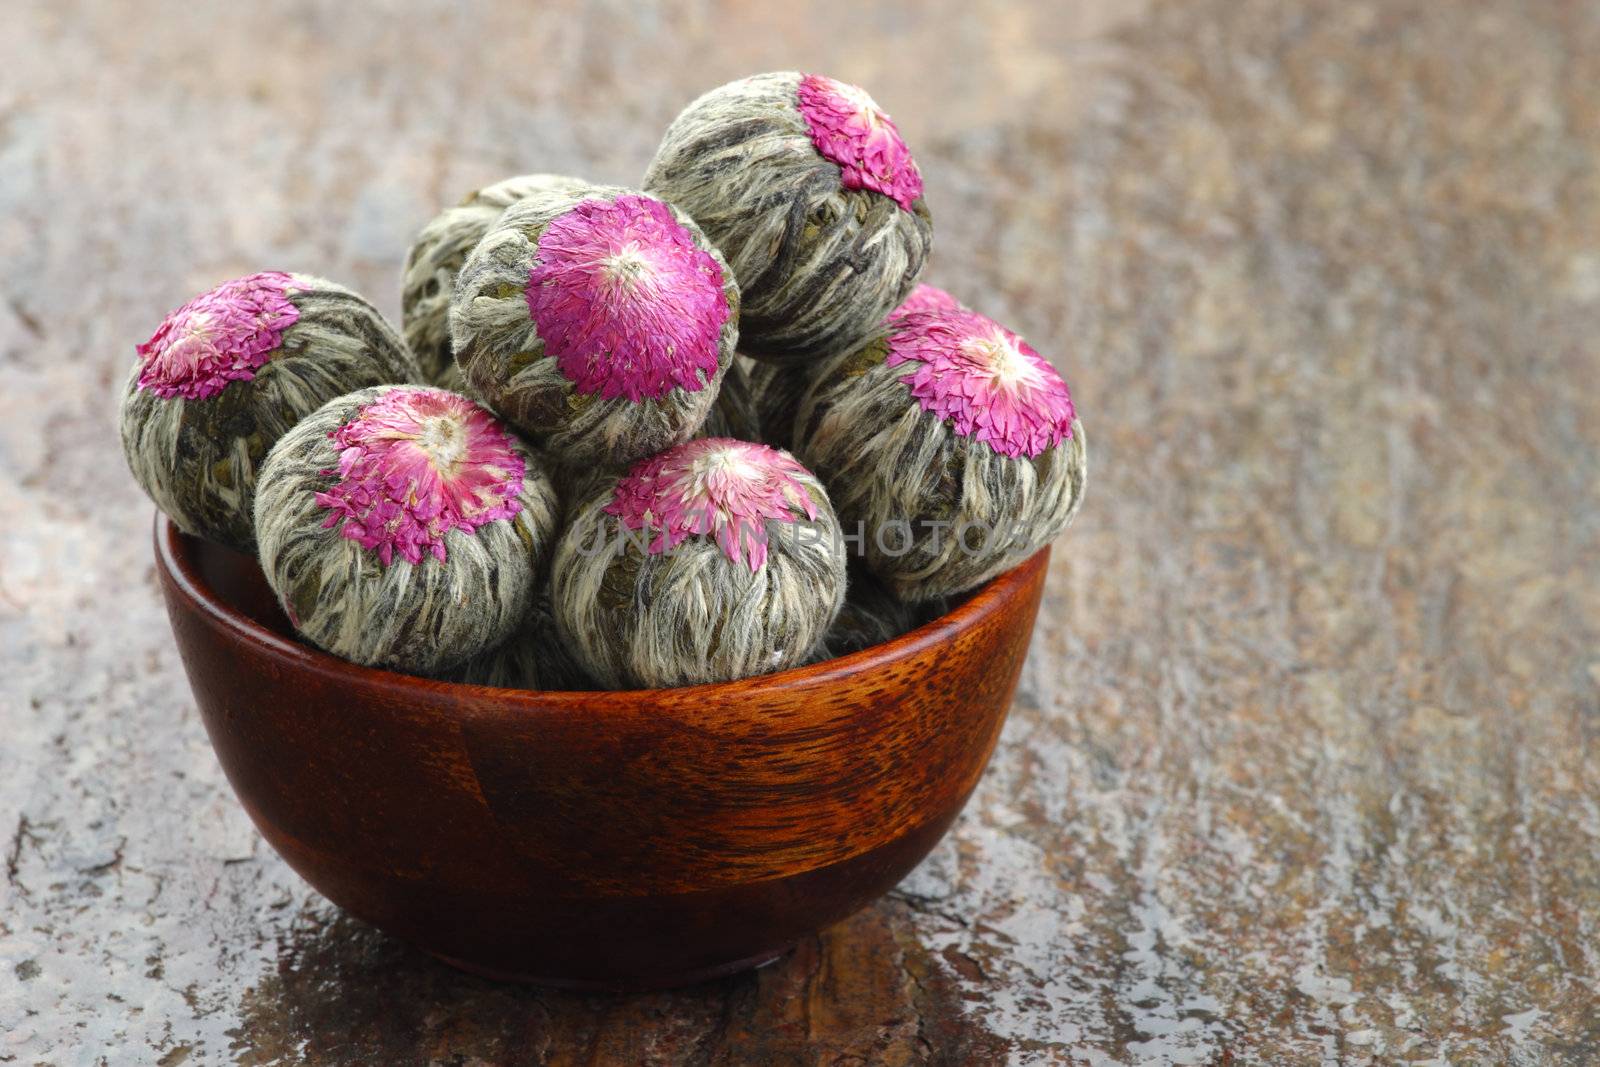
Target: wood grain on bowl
{"type": "Point", "coordinates": [618, 839]}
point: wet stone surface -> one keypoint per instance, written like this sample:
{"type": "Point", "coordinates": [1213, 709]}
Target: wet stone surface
{"type": "Point", "coordinates": [1303, 767]}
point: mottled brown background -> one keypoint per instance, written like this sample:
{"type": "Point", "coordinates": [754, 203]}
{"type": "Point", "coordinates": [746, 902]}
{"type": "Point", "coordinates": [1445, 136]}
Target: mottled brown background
{"type": "Point", "coordinates": [1303, 768]}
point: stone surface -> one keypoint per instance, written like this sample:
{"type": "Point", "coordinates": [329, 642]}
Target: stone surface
{"type": "Point", "coordinates": [1304, 765]}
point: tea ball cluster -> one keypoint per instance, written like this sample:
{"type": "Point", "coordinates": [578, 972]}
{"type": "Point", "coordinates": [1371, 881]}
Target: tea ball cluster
{"type": "Point", "coordinates": [630, 438]}
{"type": "Point", "coordinates": [597, 322]}
{"type": "Point", "coordinates": [228, 373]}
{"type": "Point", "coordinates": [404, 527]}
{"type": "Point", "coordinates": [807, 187]}
{"type": "Point", "coordinates": [436, 257]}
{"type": "Point", "coordinates": [952, 443]}
{"type": "Point", "coordinates": [714, 560]}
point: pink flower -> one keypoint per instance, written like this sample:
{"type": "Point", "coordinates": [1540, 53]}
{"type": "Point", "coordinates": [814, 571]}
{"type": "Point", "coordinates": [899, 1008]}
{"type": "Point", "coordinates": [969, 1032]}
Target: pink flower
{"type": "Point", "coordinates": [852, 131]}
{"type": "Point", "coordinates": [716, 485]}
{"type": "Point", "coordinates": [925, 298]}
{"type": "Point", "coordinates": [221, 336]}
{"type": "Point", "coordinates": [415, 464]}
{"type": "Point", "coordinates": [985, 380]}
{"type": "Point", "coordinates": [625, 301]}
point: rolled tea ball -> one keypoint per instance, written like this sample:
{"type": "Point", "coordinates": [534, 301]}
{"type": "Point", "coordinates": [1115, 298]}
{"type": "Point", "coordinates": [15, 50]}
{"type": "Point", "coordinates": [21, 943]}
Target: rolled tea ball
{"type": "Point", "coordinates": [598, 322]}
{"type": "Point", "coordinates": [777, 388]}
{"type": "Point", "coordinates": [225, 375]}
{"type": "Point", "coordinates": [806, 186]}
{"type": "Point", "coordinates": [533, 657]}
{"type": "Point", "coordinates": [714, 560]}
{"type": "Point", "coordinates": [871, 615]}
{"type": "Point", "coordinates": [435, 258]}
{"type": "Point", "coordinates": [404, 527]}
{"type": "Point", "coordinates": [734, 413]}
{"type": "Point", "coordinates": [949, 445]}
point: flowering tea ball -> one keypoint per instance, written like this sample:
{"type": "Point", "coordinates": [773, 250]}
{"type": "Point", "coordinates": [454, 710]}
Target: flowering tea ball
{"type": "Point", "coordinates": [778, 388]}
{"type": "Point", "coordinates": [806, 186]}
{"type": "Point", "coordinates": [225, 375]}
{"type": "Point", "coordinates": [533, 657]}
{"type": "Point", "coordinates": [404, 527]}
{"type": "Point", "coordinates": [950, 444]}
{"type": "Point", "coordinates": [714, 560]}
{"type": "Point", "coordinates": [599, 323]}
{"type": "Point", "coordinates": [871, 615]}
{"type": "Point", "coordinates": [734, 413]}
{"type": "Point", "coordinates": [435, 259]}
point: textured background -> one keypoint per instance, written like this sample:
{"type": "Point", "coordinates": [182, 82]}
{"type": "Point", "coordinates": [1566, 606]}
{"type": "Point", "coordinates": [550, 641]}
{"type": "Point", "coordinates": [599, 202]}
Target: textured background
{"type": "Point", "coordinates": [1303, 768]}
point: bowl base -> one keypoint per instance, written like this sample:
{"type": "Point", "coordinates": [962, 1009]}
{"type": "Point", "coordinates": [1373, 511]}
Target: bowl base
{"type": "Point", "coordinates": [607, 985]}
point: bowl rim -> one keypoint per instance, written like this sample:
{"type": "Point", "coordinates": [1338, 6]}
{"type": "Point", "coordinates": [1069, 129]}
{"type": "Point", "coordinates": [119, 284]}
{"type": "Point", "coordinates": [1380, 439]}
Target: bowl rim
{"type": "Point", "coordinates": [175, 560]}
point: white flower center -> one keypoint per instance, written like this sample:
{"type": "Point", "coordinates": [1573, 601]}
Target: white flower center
{"type": "Point", "coordinates": [736, 464]}
{"type": "Point", "coordinates": [728, 469]}
{"type": "Point", "coordinates": [444, 440]}
{"type": "Point", "coordinates": [729, 462]}
{"type": "Point", "coordinates": [862, 104]}
{"type": "Point", "coordinates": [1010, 367]}
{"type": "Point", "coordinates": [192, 342]}
{"type": "Point", "coordinates": [627, 266]}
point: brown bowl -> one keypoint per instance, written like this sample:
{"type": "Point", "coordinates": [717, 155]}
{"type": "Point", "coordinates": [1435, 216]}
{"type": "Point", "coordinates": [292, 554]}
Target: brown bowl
{"type": "Point", "coordinates": [604, 840]}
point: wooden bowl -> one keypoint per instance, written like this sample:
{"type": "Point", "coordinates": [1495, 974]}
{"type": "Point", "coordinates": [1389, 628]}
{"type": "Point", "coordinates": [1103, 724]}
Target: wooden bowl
{"type": "Point", "coordinates": [616, 840]}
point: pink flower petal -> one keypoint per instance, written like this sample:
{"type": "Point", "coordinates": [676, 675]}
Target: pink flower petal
{"type": "Point", "coordinates": [985, 380]}
{"type": "Point", "coordinates": [852, 131]}
{"type": "Point", "coordinates": [415, 464]}
{"type": "Point", "coordinates": [714, 486]}
{"type": "Point", "coordinates": [625, 300]}
{"type": "Point", "coordinates": [221, 336]}
{"type": "Point", "coordinates": [925, 298]}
